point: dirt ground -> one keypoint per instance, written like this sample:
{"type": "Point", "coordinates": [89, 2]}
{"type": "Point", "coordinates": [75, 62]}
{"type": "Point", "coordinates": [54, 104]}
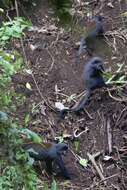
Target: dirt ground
{"type": "Point", "coordinates": [58, 76]}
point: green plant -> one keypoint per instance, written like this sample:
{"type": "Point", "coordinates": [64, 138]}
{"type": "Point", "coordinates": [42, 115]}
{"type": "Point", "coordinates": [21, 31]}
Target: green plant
{"type": "Point", "coordinates": [31, 135]}
{"type": "Point", "coordinates": [10, 64]}
{"type": "Point", "coordinates": [54, 185]}
{"type": "Point", "coordinates": [63, 10]}
{"type": "Point", "coordinates": [5, 3]}
{"type": "Point", "coordinates": [117, 78]}
{"type": "Point", "coordinates": [13, 29]}
{"type": "Point", "coordinates": [16, 170]}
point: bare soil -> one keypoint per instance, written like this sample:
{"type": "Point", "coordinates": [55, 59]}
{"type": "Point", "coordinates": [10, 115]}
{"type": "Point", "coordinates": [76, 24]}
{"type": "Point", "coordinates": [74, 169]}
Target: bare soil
{"type": "Point", "coordinates": [54, 65]}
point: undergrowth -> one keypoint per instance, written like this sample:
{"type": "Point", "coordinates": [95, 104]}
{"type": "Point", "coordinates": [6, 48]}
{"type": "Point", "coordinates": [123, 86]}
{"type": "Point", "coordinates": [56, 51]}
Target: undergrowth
{"type": "Point", "coordinates": [16, 172]}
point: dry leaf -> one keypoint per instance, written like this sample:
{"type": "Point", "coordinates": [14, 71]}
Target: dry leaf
{"type": "Point", "coordinates": [60, 106]}
{"type": "Point", "coordinates": [110, 5]}
{"type": "Point", "coordinates": [28, 86]}
{"type": "Point", "coordinates": [43, 109]}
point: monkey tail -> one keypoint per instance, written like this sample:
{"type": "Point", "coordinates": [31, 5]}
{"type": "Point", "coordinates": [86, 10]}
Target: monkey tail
{"type": "Point", "coordinates": [78, 107]}
{"type": "Point", "coordinates": [83, 102]}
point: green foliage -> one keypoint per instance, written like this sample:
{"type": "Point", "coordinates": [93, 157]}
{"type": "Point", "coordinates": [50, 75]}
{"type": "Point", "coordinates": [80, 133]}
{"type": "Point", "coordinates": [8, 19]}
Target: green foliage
{"type": "Point", "coordinates": [3, 117]}
{"type": "Point", "coordinates": [60, 139]}
{"type": "Point", "coordinates": [77, 145]}
{"type": "Point", "coordinates": [45, 186]}
{"type": "Point", "coordinates": [64, 4]}
{"type": "Point", "coordinates": [83, 162]}
{"type": "Point", "coordinates": [1, 10]}
{"type": "Point", "coordinates": [31, 135]}
{"type": "Point", "coordinates": [54, 185]}
{"type": "Point", "coordinates": [10, 63]}
{"type": "Point", "coordinates": [119, 78]}
{"type": "Point", "coordinates": [16, 170]}
{"type": "Point", "coordinates": [16, 173]}
{"type": "Point", "coordinates": [63, 10]}
{"type": "Point", "coordinates": [13, 29]}
{"type": "Point", "coordinates": [27, 119]}
{"type": "Point", "coordinates": [5, 3]}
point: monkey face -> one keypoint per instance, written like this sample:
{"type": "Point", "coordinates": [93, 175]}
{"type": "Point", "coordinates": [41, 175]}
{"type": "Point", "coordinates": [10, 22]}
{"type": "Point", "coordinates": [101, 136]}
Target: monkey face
{"type": "Point", "coordinates": [98, 18]}
{"type": "Point", "coordinates": [97, 64]}
{"type": "Point", "coordinates": [100, 68]}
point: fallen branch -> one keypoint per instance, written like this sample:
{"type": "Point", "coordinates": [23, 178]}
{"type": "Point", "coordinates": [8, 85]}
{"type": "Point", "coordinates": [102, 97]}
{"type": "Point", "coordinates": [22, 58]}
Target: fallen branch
{"type": "Point", "coordinates": [92, 159]}
{"type": "Point", "coordinates": [109, 134]}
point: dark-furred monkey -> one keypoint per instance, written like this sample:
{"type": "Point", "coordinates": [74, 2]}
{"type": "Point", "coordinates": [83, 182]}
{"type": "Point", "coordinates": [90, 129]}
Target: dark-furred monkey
{"type": "Point", "coordinates": [93, 79]}
{"type": "Point", "coordinates": [94, 29]}
{"type": "Point", "coordinates": [49, 153]}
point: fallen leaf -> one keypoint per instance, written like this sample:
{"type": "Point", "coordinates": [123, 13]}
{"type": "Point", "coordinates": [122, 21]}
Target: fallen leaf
{"type": "Point", "coordinates": [107, 158]}
{"type": "Point", "coordinates": [28, 71]}
{"type": "Point", "coordinates": [60, 106]}
{"type": "Point", "coordinates": [28, 86]}
{"type": "Point", "coordinates": [67, 135]}
{"type": "Point", "coordinates": [110, 5]}
{"type": "Point", "coordinates": [60, 139]}
{"type": "Point", "coordinates": [56, 88]}
{"type": "Point", "coordinates": [1, 10]}
{"type": "Point", "coordinates": [124, 14]}
{"type": "Point", "coordinates": [33, 47]}
{"type": "Point", "coordinates": [43, 109]}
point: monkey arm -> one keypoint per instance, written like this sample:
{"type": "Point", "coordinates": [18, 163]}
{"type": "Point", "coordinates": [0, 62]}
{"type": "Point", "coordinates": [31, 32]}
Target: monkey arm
{"type": "Point", "coordinates": [49, 166]}
{"type": "Point", "coordinates": [61, 165]}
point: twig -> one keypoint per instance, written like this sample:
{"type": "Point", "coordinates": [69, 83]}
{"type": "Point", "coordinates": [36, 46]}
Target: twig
{"type": "Point", "coordinates": [109, 134]}
{"type": "Point", "coordinates": [112, 176]}
{"type": "Point", "coordinates": [116, 99]}
{"type": "Point", "coordinates": [55, 42]}
{"type": "Point", "coordinates": [118, 154]}
{"type": "Point", "coordinates": [120, 7]}
{"type": "Point", "coordinates": [121, 114]}
{"type": "Point", "coordinates": [88, 114]}
{"type": "Point", "coordinates": [79, 134]}
{"type": "Point", "coordinates": [75, 155]}
{"type": "Point", "coordinates": [52, 131]}
{"type": "Point", "coordinates": [109, 177]}
{"type": "Point", "coordinates": [53, 61]}
{"type": "Point", "coordinates": [92, 159]}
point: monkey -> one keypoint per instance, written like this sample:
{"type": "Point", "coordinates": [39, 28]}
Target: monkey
{"type": "Point", "coordinates": [50, 153]}
{"type": "Point", "coordinates": [93, 79]}
{"type": "Point", "coordinates": [94, 29]}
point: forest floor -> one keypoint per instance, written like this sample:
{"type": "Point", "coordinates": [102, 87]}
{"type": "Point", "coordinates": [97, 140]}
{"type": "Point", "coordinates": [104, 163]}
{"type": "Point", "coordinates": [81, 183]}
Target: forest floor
{"type": "Point", "coordinates": [51, 53]}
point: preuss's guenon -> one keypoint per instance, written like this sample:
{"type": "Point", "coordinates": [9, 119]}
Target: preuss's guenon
{"type": "Point", "coordinates": [93, 79]}
{"type": "Point", "coordinates": [49, 153]}
{"type": "Point", "coordinates": [94, 29]}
